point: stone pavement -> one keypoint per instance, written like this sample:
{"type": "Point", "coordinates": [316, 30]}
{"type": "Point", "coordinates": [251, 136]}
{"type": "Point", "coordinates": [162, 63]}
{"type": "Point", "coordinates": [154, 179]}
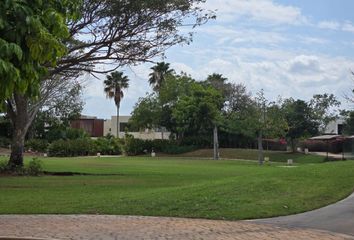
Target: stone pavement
{"type": "Point", "coordinates": [338, 217]}
{"type": "Point", "coordinates": [157, 228]}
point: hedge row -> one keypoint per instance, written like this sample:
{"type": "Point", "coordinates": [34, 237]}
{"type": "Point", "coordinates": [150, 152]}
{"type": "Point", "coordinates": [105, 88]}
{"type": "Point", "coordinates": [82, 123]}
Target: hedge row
{"type": "Point", "coordinates": [84, 147]}
{"type": "Point", "coordinates": [109, 146]}
{"type": "Point", "coordinates": [134, 146]}
{"type": "Point", "coordinates": [333, 146]}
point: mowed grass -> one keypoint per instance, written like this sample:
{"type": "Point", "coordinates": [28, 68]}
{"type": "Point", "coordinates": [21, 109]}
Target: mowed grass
{"type": "Point", "coordinates": [252, 154]}
{"type": "Point", "coordinates": [226, 189]}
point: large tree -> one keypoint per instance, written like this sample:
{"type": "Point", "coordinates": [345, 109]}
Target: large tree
{"type": "Point", "coordinates": [301, 123]}
{"type": "Point", "coordinates": [256, 118]}
{"type": "Point", "coordinates": [158, 75]}
{"type": "Point", "coordinates": [114, 85]}
{"type": "Point", "coordinates": [31, 34]}
{"type": "Point", "coordinates": [49, 41]}
{"type": "Point", "coordinates": [55, 115]}
{"type": "Point", "coordinates": [324, 109]}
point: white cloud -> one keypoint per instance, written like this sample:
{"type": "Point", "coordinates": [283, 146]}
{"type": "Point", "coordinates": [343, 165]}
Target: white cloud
{"type": "Point", "coordinates": [346, 26]}
{"type": "Point", "coordinates": [263, 11]}
{"type": "Point", "coordinates": [304, 64]}
{"type": "Point", "coordinates": [298, 76]}
{"type": "Point", "coordinates": [229, 34]}
{"type": "Point", "coordinates": [334, 25]}
{"type": "Point", "coordinates": [312, 40]}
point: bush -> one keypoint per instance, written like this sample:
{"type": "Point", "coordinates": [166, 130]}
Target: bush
{"type": "Point", "coordinates": [108, 146]}
{"type": "Point", "coordinates": [37, 145]}
{"type": "Point", "coordinates": [333, 146]}
{"type": "Point", "coordinates": [3, 166]}
{"type": "Point", "coordinates": [175, 149]}
{"type": "Point", "coordinates": [158, 144]}
{"type": "Point", "coordinates": [5, 142]}
{"type": "Point", "coordinates": [54, 134]}
{"type": "Point", "coordinates": [134, 146]}
{"type": "Point", "coordinates": [274, 145]}
{"type": "Point", "coordinates": [200, 141]}
{"type": "Point", "coordinates": [71, 148]}
{"type": "Point", "coordinates": [35, 167]}
{"type": "Point", "coordinates": [74, 133]}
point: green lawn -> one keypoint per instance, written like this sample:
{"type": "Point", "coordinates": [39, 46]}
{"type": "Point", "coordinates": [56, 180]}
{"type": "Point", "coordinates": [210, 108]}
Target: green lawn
{"type": "Point", "coordinates": [225, 189]}
{"type": "Point", "coordinates": [252, 154]}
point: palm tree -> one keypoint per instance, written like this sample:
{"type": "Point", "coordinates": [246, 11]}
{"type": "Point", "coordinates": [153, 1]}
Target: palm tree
{"type": "Point", "coordinates": [157, 77]}
{"type": "Point", "coordinates": [114, 85]}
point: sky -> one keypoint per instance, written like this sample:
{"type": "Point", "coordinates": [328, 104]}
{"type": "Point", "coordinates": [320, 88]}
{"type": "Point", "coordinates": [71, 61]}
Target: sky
{"type": "Point", "coordinates": [288, 48]}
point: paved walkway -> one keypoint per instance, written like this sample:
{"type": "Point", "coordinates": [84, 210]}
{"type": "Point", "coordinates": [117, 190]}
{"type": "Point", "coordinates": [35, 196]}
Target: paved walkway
{"type": "Point", "coordinates": [338, 217]}
{"type": "Point", "coordinates": [157, 228]}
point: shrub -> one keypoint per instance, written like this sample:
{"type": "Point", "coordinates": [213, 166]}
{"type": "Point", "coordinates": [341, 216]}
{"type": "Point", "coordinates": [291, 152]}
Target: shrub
{"type": "Point", "coordinates": [134, 146]}
{"type": "Point", "coordinates": [5, 142]}
{"type": "Point", "coordinates": [108, 146]}
{"type": "Point", "coordinates": [3, 166]}
{"type": "Point", "coordinates": [200, 141]}
{"type": "Point", "coordinates": [54, 134]}
{"type": "Point", "coordinates": [175, 149]}
{"type": "Point", "coordinates": [37, 145]}
{"type": "Point", "coordinates": [35, 167]}
{"type": "Point", "coordinates": [333, 146]}
{"type": "Point", "coordinates": [71, 148]}
{"type": "Point", "coordinates": [74, 133]}
{"type": "Point", "coordinates": [158, 144]}
{"type": "Point", "coordinates": [274, 145]}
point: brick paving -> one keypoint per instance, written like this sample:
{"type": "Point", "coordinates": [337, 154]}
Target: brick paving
{"type": "Point", "coordinates": [109, 227]}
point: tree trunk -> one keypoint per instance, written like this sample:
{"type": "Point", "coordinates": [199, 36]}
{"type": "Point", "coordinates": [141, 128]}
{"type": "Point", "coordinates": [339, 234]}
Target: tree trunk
{"type": "Point", "coordinates": [293, 145]}
{"type": "Point", "coordinates": [17, 149]}
{"type": "Point", "coordinates": [118, 125]}
{"type": "Point", "coordinates": [17, 110]}
{"type": "Point", "coordinates": [216, 144]}
{"type": "Point", "coordinates": [260, 148]}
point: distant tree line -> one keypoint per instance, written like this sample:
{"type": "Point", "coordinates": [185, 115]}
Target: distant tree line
{"type": "Point", "coordinates": [190, 109]}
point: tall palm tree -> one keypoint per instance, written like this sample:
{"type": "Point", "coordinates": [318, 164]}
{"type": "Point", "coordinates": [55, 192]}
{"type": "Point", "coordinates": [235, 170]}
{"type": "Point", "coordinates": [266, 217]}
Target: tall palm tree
{"type": "Point", "coordinates": [157, 76]}
{"type": "Point", "coordinates": [114, 85]}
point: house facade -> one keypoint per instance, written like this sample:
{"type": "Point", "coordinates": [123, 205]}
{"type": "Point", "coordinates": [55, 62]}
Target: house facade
{"type": "Point", "coordinates": [101, 127]}
{"type": "Point", "coordinates": [92, 125]}
{"type": "Point", "coordinates": [335, 127]}
{"type": "Point", "coordinates": [110, 127]}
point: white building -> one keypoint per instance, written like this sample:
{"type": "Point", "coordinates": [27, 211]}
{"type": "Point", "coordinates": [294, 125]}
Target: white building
{"type": "Point", "coordinates": [110, 126]}
{"type": "Point", "coordinates": [335, 127]}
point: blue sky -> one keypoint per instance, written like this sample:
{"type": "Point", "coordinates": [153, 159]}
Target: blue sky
{"type": "Point", "coordinates": [288, 48]}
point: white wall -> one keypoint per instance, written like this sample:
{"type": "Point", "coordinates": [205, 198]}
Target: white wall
{"type": "Point", "coordinates": [110, 126]}
{"type": "Point", "coordinates": [332, 127]}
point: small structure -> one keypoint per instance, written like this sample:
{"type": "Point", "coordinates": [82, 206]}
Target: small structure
{"type": "Point", "coordinates": [327, 139]}
{"type": "Point", "coordinates": [92, 125]}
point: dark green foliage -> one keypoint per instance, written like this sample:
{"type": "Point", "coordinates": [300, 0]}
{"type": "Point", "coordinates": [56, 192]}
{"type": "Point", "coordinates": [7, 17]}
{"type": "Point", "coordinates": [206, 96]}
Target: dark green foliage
{"type": "Point", "coordinates": [349, 124]}
{"type": "Point", "coordinates": [333, 146]}
{"type": "Point", "coordinates": [36, 145]}
{"type": "Point", "coordinates": [3, 166]}
{"type": "Point", "coordinates": [35, 167]}
{"type": "Point", "coordinates": [5, 142]}
{"type": "Point", "coordinates": [157, 76]}
{"type": "Point", "coordinates": [65, 133]}
{"type": "Point", "coordinates": [175, 149]}
{"type": "Point", "coordinates": [30, 42]}
{"type": "Point", "coordinates": [5, 127]}
{"type": "Point", "coordinates": [73, 147]}
{"type": "Point", "coordinates": [134, 146]}
{"type": "Point", "coordinates": [301, 123]}
{"type": "Point", "coordinates": [200, 141]}
{"type": "Point", "coordinates": [108, 146]}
